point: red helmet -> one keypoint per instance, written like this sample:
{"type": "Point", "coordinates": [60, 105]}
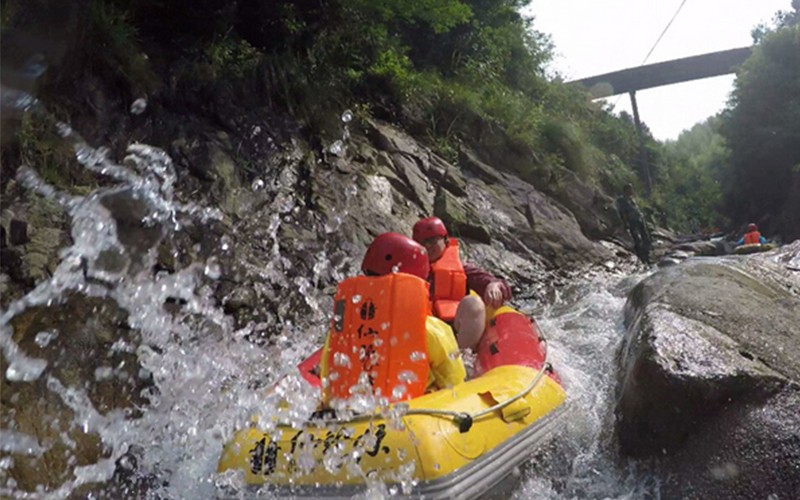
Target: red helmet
{"type": "Point", "coordinates": [751, 227]}
{"type": "Point", "coordinates": [429, 228]}
{"type": "Point", "coordinates": [392, 252]}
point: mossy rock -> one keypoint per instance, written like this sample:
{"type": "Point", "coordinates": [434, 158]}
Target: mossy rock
{"type": "Point", "coordinates": [461, 219]}
{"type": "Point", "coordinates": [81, 331]}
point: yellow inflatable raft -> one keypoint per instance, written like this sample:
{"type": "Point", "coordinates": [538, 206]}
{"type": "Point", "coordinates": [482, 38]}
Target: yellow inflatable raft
{"type": "Point", "coordinates": [452, 443]}
{"type": "Point", "coordinates": [753, 248]}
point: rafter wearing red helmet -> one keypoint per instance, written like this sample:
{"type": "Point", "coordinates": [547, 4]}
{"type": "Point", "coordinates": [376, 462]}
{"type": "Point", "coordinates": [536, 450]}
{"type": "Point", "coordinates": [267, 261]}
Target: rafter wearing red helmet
{"type": "Point", "coordinates": [451, 281]}
{"type": "Point", "coordinates": [751, 236]}
{"type": "Point", "coordinates": [382, 331]}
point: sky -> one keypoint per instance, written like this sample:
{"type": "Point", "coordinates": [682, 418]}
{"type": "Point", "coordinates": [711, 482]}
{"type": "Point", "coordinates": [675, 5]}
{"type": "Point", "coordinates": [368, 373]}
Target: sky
{"type": "Point", "coordinates": [592, 37]}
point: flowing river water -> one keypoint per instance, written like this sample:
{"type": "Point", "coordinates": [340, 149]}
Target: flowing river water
{"type": "Point", "coordinates": [208, 378]}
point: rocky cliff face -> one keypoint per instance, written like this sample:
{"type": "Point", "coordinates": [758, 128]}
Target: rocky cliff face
{"type": "Point", "coordinates": [291, 220]}
{"type": "Point", "coordinates": [270, 184]}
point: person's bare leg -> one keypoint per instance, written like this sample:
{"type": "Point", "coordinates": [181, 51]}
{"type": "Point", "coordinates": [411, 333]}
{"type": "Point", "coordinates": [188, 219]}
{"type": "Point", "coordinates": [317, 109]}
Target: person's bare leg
{"type": "Point", "coordinates": [469, 322]}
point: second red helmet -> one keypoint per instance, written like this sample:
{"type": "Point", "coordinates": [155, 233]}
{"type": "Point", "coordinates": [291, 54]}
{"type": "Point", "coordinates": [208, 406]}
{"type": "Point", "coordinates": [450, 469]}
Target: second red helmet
{"type": "Point", "coordinates": [751, 227]}
{"type": "Point", "coordinates": [429, 228]}
{"type": "Point", "coordinates": [395, 253]}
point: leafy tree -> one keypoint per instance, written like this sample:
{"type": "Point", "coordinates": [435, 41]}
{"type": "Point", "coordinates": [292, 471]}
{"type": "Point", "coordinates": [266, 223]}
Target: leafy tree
{"type": "Point", "coordinates": [689, 190]}
{"type": "Point", "coordinates": [762, 127]}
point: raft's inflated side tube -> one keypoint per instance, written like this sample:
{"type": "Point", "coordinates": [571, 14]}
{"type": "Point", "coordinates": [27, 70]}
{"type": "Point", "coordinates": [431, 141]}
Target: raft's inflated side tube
{"type": "Point", "coordinates": [754, 248]}
{"type": "Point", "coordinates": [511, 338]}
{"type": "Point", "coordinates": [435, 445]}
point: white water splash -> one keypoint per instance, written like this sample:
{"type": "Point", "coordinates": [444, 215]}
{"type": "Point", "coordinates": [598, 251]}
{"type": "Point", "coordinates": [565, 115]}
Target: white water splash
{"type": "Point", "coordinates": [584, 329]}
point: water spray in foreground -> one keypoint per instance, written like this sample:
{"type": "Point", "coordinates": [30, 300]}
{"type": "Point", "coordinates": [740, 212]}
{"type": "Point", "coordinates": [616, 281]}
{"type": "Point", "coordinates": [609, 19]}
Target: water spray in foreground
{"type": "Point", "coordinates": [116, 371]}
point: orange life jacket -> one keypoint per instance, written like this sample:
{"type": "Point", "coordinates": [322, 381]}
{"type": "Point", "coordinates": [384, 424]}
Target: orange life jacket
{"type": "Point", "coordinates": [378, 336]}
{"type": "Point", "coordinates": [752, 237]}
{"type": "Point", "coordinates": [449, 284]}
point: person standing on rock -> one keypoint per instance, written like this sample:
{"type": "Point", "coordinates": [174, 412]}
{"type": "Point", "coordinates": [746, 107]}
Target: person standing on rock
{"type": "Point", "coordinates": [451, 282]}
{"type": "Point", "coordinates": [634, 221]}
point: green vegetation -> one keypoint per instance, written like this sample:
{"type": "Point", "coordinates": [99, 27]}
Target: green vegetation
{"type": "Point", "coordinates": [448, 70]}
{"type": "Point", "coordinates": [762, 128]}
{"type": "Point", "coordinates": [690, 182]}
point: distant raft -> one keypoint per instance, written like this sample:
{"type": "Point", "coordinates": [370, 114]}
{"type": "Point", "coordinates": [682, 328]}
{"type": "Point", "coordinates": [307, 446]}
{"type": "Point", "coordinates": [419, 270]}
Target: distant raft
{"type": "Point", "coordinates": [754, 248]}
{"type": "Point", "coordinates": [452, 443]}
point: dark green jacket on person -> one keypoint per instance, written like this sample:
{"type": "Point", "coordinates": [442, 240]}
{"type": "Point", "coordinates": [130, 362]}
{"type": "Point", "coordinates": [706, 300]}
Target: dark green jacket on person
{"type": "Point", "coordinates": [629, 211]}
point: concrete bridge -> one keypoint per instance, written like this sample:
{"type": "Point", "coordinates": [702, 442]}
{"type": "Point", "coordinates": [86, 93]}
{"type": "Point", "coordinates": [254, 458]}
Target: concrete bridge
{"type": "Point", "coordinates": [665, 73]}
{"type": "Point", "coordinates": [659, 74]}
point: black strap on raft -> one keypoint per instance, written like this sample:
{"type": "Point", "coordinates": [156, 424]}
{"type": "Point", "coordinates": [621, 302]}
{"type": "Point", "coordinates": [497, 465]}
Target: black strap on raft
{"type": "Point", "coordinates": [463, 420]}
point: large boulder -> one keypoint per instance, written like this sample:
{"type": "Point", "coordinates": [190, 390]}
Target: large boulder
{"type": "Point", "coordinates": [709, 372]}
{"type": "Point", "coordinates": [80, 348]}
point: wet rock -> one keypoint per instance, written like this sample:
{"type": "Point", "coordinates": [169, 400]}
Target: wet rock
{"type": "Point", "coordinates": [487, 173]}
{"type": "Point", "coordinates": [130, 212]}
{"type": "Point", "coordinates": [460, 218]}
{"type": "Point", "coordinates": [593, 209]}
{"type": "Point", "coordinates": [41, 254]}
{"type": "Point", "coordinates": [447, 175]}
{"type": "Point", "coordinates": [760, 459]}
{"type": "Point", "coordinates": [556, 234]}
{"type": "Point", "coordinates": [208, 159]}
{"type": "Point", "coordinates": [710, 342]}
{"type": "Point", "coordinates": [660, 233]}
{"type": "Point", "coordinates": [421, 190]}
{"type": "Point", "coordinates": [392, 139]}
{"type": "Point", "coordinates": [701, 247]}
{"type": "Point", "coordinates": [75, 340]}
{"type": "Point", "coordinates": [18, 232]}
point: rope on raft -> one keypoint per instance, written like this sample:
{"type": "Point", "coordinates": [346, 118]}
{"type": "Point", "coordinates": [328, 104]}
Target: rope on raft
{"type": "Point", "coordinates": [463, 420]}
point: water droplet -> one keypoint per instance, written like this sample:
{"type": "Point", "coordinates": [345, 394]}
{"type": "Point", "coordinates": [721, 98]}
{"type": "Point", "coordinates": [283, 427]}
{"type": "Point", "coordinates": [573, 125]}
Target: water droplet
{"type": "Point", "coordinates": [138, 106]}
{"type": "Point", "coordinates": [356, 299]}
{"type": "Point", "coordinates": [16, 99]}
{"type": "Point", "coordinates": [103, 373]}
{"type": "Point", "coordinates": [35, 66]}
{"type": "Point", "coordinates": [63, 129]}
{"type": "Point", "coordinates": [385, 325]}
{"type": "Point", "coordinates": [407, 376]}
{"type": "Point", "coordinates": [336, 148]}
{"type": "Point", "coordinates": [396, 268]}
{"type": "Point", "coordinates": [341, 359]}
{"type": "Point", "coordinates": [255, 131]}
{"type": "Point", "coordinates": [257, 185]}
{"type": "Point", "coordinates": [213, 270]}
{"type": "Point", "coordinates": [25, 369]}
{"type": "Point", "coordinates": [44, 338]}
{"type": "Point", "coordinates": [333, 224]}
{"type": "Point", "coordinates": [347, 116]}
{"type": "Point", "coordinates": [351, 190]}
{"type": "Point", "coordinates": [398, 391]}
{"type": "Point", "coordinates": [436, 466]}
{"type": "Point", "coordinates": [417, 356]}
{"type": "Point", "coordinates": [225, 243]}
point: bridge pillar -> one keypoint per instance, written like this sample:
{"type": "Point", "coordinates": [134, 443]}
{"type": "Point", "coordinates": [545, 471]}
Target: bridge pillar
{"type": "Point", "coordinates": [644, 165]}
